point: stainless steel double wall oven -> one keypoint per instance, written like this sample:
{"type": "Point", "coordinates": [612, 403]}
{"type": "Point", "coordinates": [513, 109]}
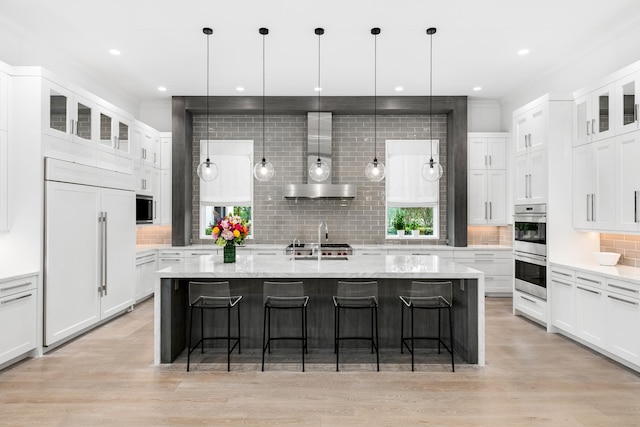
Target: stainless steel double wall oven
{"type": "Point", "coordinates": [530, 249]}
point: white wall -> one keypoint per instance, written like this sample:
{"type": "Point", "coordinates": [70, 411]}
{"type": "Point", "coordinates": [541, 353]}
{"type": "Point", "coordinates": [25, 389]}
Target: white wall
{"type": "Point", "coordinates": [614, 50]}
{"type": "Point", "coordinates": [156, 114]}
{"type": "Point", "coordinates": [484, 116]}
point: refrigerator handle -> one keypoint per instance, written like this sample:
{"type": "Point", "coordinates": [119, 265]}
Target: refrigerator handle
{"type": "Point", "coordinates": [101, 222]}
{"type": "Point", "coordinates": [104, 252]}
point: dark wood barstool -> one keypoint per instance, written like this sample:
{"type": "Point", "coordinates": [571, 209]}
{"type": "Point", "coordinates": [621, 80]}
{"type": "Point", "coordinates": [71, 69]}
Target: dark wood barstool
{"type": "Point", "coordinates": [284, 296]}
{"type": "Point", "coordinates": [212, 296]}
{"type": "Point", "coordinates": [356, 296]}
{"type": "Point", "coordinates": [427, 296]}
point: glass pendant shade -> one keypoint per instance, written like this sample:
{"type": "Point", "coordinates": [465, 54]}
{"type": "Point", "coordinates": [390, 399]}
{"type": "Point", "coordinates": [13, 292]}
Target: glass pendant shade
{"type": "Point", "coordinates": [207, 170]}
{"type": "Point", "coordinates": [319, 171]}
{"type": "Point", "coordinates": [375, 171]}
{"type": "Point", "coordinates": [263, 170]}
{"type": "Point", "coordinates": [431, 171]}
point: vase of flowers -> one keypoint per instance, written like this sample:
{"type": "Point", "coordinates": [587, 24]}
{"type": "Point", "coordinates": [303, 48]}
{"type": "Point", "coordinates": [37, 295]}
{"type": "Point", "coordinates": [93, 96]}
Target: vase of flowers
{"type": "Point", "coordinates": [229, 232]}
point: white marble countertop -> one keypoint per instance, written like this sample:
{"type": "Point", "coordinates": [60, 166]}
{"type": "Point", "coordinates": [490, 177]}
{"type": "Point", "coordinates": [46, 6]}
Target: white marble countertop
{"type": "Point", "coordinates": [7, 277]}
{"type": "Point", "coordinates": [621, 272]}
{"type": "Point", "coordinates": [356, 267]}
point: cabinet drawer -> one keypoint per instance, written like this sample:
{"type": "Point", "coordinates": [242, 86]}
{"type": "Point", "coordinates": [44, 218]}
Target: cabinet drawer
{"type": "Point", "coordinates": [203, 252]}
{"type": "Point", "coordinates": [419, 252]}
{"type": "Point", "coordinates": [621, 287]}
{"type": "Point", "coordinates": [11, 287]}
{"type": "Point", "coordinates": [531, 306]}
{"type": "Point", "coordinates": [503, 254]}
{"type": "Point", "coordinates": [490, 267]}
{"type": "Point", "coordinates": [172, 254]}
{"type": "Point", "coordinates": [144, 259]}
{"type": "Point", "coordinates": [590, 280]}
{"type": "Point", "coordinates": [19, 311]}
{"type": "Point", "coordinates": [563, 273]}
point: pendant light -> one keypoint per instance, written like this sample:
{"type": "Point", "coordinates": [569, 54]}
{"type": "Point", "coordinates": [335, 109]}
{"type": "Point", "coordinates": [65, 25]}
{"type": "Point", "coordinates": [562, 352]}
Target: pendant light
{"type": "Point", "coordinates": [432, 170]}
{"type": "Point", "coordinates": [374, 171]}
{"type": "Point", "coordinates": [207, 170]}
{"type": "Point", "coordinates": [263, 170]}
{"type": "Point", "coordinates": [319, 171]}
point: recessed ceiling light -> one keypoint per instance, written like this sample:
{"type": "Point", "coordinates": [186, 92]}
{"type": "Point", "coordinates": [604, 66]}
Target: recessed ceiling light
{"type": "Point", "coordinates": [477, 88]}
{"type": "Point", "coordinates": [162, 88]}
{"type": "Point", "coordinates": [399, 88]}
{"type": "Point", "coordinates": [240, 89]}
{"type": "Point", "coordinates": [523, 51]}
{"type": "Point", "coordinates": [114, 52]}
{"type": "Point", "coordinates": [317, 89]}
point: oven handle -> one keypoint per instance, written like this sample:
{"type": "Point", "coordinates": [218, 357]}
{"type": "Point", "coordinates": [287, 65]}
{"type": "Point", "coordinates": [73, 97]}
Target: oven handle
{"type": "Point", "coordinates": [530, 258]}
{"type": "Point", "coordinates": [531, 217]}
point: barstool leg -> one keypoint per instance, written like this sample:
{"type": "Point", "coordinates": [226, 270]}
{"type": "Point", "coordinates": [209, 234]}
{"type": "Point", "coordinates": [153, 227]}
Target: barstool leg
{"type": "Point", "coordinates": [439, 328]}
{"type": "Point", "coordinates": [201, 330]}
{"type": "Point", "coordinates": [239, 346]}
{"type": "Point", "coordinates": [303, 335]}
{"type": "Point", "coordinates": [189, 342]}
{"type": "Point", "coordinates": [453, 368]}
{"type": "Point", "coordinates": [264, 334]}
{"type": "Point", "coordinates": [401, 327]}
{"type": "Point", "coordinates": [337, 335]}
{"type": "Point", "coordinates": [377, 342]}
{"type": "Point", "coordinates": [413, 349]}
{"type": "Point", "coordinates": [228, 338]}
{"type": "Point", "coordinates": [371, 311]}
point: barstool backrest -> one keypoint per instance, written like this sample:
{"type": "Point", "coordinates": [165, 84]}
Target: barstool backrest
{"type": "Point", "coordinates": [440, 290]}
{"type": "Point", "coordinates": [356, 293]}
{"type": "Point", "coordinates": [283, 291]}
{"type": "Point", "coordinates": [209, 293]}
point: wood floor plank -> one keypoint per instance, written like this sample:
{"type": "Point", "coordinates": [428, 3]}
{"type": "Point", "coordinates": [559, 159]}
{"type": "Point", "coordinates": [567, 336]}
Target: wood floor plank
{"type": "Point", "coordinates": [532, 378]}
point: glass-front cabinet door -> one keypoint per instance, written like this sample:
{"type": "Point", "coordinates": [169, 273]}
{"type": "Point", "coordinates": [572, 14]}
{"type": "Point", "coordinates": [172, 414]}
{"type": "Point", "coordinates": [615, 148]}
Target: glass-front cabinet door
{"type": "Point", "coordinates": [58, 113]}
{"type": "Point", "coordinates": [106, 131]}
{"type": "Point", "coordinates": [628, 89]}
{"type": "Point", "coordinates": [123, 146]}
{"type": "Point", "coordinates": [601, 125]}
{"type": "Point", "coordinates": [83, 125]}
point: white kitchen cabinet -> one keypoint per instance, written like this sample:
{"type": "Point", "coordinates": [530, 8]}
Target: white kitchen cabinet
{"type": "Point", "coordinates": [4, 100]}
{"type": "Point", "coordinates": [165, 197]}
{"type": "Point", "coordinates": [4, 181]}
{"type": "Point", "coordinates": [593, 115]}
{"type": "Point", "coordinates": [89, 249]}
{"type": "Point", "coordinates": [627, 96]}
{"type": "Point", "coordinates": [144, 176]}
{"type": "Point", "coordinates": [590, 314]}
{"type": "Point", "coordinates": [165, 151]}
{"type": "Point", "coordinates": [146, 267]}
{"type": "Point", "coordinates": [156, 178]}
{"type": "Point", "coordinates": [487, 150]}
{"type": "Point", "coordinates": [531, 177]}
{"type": "Point", "coordinates": [627, 182]}
{"type": "Point", "coordinates": [623, 318]}
{"type": "Point", "coordinates": [594, 186]}
{"type": "Point", "coordinates": [496, 265]}
{"type": "Point", "coordinates": [562, 299]}
{"type": "Point", "coordinates": [530, 129]}
{"type": "Point", "coordinates": [446, 254]}
{"type": "Point", "coordinates": [532, 307]}
{"type": "Point", "coordinates": [18, 315]}
{"type": "Point", "coordinates": [146, 144]}
{"type": "Point", "coordinates": [169, 257]}
{"type": "Point", "coordinates": [487, 204]}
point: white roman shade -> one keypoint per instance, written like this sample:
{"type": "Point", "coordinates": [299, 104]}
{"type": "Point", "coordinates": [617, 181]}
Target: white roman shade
{"type": "Point", "coordinates": [233, 186]}
{"type": "Point", "coordinates": [404, 184]}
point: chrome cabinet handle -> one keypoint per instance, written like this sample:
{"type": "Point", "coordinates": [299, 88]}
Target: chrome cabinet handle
{"type": "Point", "coordinates": [15, 287]}
{"type": "Point", "coordinates": [588, 133]}
{"type": "Point", "coordinates": [106, 258]}
{"type": "Point", "coordinates": [485, 160]}
{"type": "Point", "coordinates": [527, 299]}
{"type": "Point", "coordinates": [635, 206]}
{"type": "Point", "coordinates": [560, 273]}
{"type": "Point", "coordinates": [15, 299]}
{"type": "Point", "coordinates": [490, 211]}
{"type": "Point", "coordinates": [485, 210]}
{"type": "Point", "coordinates": [588, 195]}
{"type": "Point", "coordinates": [562, 283]}
{"type": "Point", "coordinates": [622, 300]}
{"type": "Point", "coordinates": [589, 290]}
{"type": "Point", "coordinates": [589, 280]}
{"type": "Point", "coordinates": [489, 159]}
{"type": "Point", "coordinates": [593, 126]}
{"type": "Point", "coordinates": [593, 212]}
{"type": "Point", "coordinates": [623, 288]}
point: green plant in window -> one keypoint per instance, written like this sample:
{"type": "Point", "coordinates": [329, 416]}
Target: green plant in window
{"type": "Point", "coordinates": [399, 220]}
{"type": "Point", "coordinates": [412, 224]}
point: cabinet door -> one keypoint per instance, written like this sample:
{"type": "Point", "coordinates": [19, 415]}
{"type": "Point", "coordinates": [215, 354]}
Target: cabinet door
{"type": "Point", "coordinates": [165, 156]}
{"type": "Point", "coordinates": [4, 182]}
{"type": "Point", "coordinates": [18, 314]}
{"type": "Point", "coordinates": [539, 128]}
{"type": "Point", "coordinates": [497, 197]}
{"type": "Point", "coordinates": [119, 247]}
{"type": "Point", "coordinates": [627, 182]}
{"type": "Point", "coordinates": [590, 315]}
{"type": "Point", "coordinates": [538, 177]}
{"type": "Point", "coordinates": [522, 129]}
{"type": "Point", "coordinates": [139, 288]}
{"type": "Point", "coordinates": [106, 138]}
{"type": "Point", "coordinates": [497, 153]}
{"type": "Point", "coordinates": [57, 111]}
{"type": "Point", "coordinates": [623, 318]}
{"type": "Point", "coordinates": [477, 200]}
{"type": "Point", "coordinates": [626, 108]}
{"type": "Point", "coordinates": [4, 100]}
{"type": "Point", "coordinates": [563, 313]}
{"type": "Point", "coordinates": [521, 176]}
{"type": "Point", "coordinates": [83, 126]}
{"type": "Point", "coordinates": [477, 149]}
{"type": "Point", "coordinates": [150, 277]}
{"type": "Point", "coordinates": [72, 300]}
{"type": "Point", "coordinates": [165, 197]}
{"type": "Point", "coordinates": [601, 125]}
{"type": "Point", "coordinates": [603, 198]}
{"type": "Point", "coordinates": [582, 186]}
{"type": "Point", "coordinates": [581, 120]}
{"type": "Point", "coordinates": [122, 141]}
{"type": "Point", "coordinates": [157, 194]}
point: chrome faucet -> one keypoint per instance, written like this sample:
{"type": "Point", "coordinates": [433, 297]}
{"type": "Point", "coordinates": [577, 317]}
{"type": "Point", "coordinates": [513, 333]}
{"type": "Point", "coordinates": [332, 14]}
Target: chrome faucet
{"type": "Point", "coordinates": [326, 236]}
{"type": "Point", "coordinates": [293, 247]}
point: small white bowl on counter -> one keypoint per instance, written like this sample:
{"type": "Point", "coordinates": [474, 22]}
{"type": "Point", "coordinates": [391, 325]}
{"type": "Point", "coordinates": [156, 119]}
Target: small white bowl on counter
{"type": "Point", "coordinates": [606, 258]}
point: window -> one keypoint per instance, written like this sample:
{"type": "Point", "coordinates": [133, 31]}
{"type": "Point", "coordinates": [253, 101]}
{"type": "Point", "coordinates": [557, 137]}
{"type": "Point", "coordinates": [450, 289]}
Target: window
{"type": "Point", "coordinates": [231, 193]}
{"type": "Point", "coordinates": [412, 202]}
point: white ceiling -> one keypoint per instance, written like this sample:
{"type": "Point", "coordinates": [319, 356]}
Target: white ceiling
{"type": "Point", "coordinates": [162, 42]}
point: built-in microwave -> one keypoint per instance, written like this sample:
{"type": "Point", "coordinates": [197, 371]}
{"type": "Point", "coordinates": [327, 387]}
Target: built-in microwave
{"type": "Point", "coordinates": [144, 209]}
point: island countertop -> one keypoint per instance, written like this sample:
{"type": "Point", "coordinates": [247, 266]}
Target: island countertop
{"type": "Point", "coordinates": [246, 275]}
{"type": "Point", "coordinates": [356, 267]}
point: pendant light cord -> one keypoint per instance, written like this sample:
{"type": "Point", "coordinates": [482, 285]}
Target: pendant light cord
{"type": "Point", "coordinates": [208, 33]}
{"type": "Point", "coordinates": [319, 32]}
{"type": "Point", "coordinates": [431, 94]}
{"type": "Point", "coordinates": [375, 97]}
{"type": "Point", "coordinates": [263, 100]}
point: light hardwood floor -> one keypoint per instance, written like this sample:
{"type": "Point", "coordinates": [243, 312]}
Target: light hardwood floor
{"type": "Point", "coordinates": [531, 378]}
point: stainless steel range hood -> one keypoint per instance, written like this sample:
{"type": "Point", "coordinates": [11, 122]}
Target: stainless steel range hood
{"type": "Point", "coordinates": [319, 142]}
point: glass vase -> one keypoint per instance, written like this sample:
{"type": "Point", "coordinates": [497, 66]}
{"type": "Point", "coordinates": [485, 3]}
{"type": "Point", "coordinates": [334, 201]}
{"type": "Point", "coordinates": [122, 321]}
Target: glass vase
{"type": "Point", "coordinates": [229, 253]}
